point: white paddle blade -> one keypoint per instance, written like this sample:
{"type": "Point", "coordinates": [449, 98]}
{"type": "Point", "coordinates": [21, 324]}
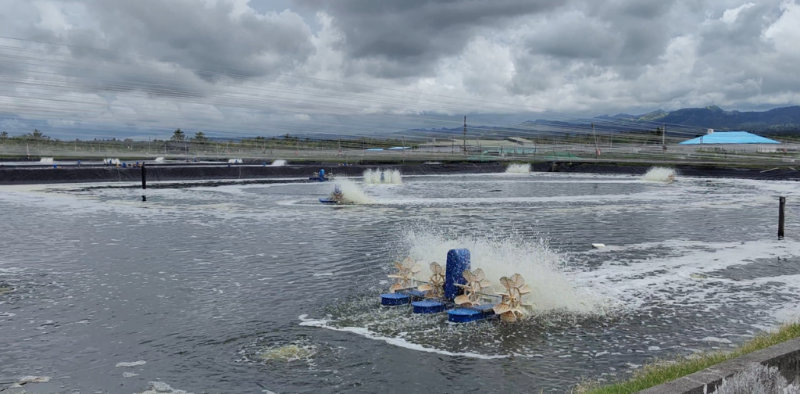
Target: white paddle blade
{"type": "Point", "coordinates": [505, 282]}
{"type": "Point", "coordinates": [508, 317]}
{"type": "Point", "coordinates": [499, 309]}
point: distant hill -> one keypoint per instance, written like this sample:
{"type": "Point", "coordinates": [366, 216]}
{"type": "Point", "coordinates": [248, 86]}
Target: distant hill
{"type": "Point", "coordinates": [774, 121]}
{"type": "Point", "coordinates": [686, 121]}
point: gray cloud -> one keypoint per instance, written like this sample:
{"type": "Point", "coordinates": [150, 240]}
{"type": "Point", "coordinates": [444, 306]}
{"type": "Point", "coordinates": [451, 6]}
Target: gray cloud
{"type": "Point", "coordinates": [307, 64]}
{"type": "Point", "coordinates": [623, 35]}
{"type": "Point", "coordinates": [209, 41]}
{"type": "Point", "coordinates": [406, 38]}
{"type": "Point", "coordinates": [742, 35]}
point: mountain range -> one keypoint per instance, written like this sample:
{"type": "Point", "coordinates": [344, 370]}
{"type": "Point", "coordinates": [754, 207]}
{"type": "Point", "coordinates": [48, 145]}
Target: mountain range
{"type": "Point", "coordinates": [687, 121]}
{"type": "Point", "coordinates": [777, 120]}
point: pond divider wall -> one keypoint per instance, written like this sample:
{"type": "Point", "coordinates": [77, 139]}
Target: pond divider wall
{"type": "Point", "coordinates": [785, 356]}
{"type": "Point", "coordinates": [14, 174]}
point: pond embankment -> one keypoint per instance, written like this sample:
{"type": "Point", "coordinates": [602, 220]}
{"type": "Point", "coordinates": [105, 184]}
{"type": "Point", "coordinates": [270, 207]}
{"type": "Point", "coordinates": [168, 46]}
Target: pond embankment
{"type": "Point", "coordinates": [785, 356]}
{"type": "Point", "coordinates": [31, 174]}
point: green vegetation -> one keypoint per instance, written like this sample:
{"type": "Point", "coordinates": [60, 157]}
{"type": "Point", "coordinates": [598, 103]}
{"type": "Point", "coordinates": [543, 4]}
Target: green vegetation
{"type": "Point", "coordinates": [665, 371]}
{"type": "Point", "coordinates": [178, 135]}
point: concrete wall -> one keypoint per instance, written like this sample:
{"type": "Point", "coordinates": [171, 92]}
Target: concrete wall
{"type": "Point", "coordinates": [178, 172]}
{"type": "Point", "coordinates": [785, 356]}
{"type": "Point", "coordinates": [172, 172]}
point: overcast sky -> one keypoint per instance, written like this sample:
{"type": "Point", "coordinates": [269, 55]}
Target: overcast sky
{"type": "Point", "coordinates": [259, 67]}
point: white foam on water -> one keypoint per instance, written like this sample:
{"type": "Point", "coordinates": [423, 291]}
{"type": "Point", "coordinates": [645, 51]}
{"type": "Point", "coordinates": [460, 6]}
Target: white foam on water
{"type": "Point", "coordinates": [774, 188]}
{"type": "Point", "coordinates": [787, 313]}
{"type": "Point", "coordinates": [685, 274]}
{"type": "Point", "coordinates": [11, 270]}
{"type": "Point", "coordinates": [161, 387]}
{"type": "Point", "coordinates": [518, 169]}
{"type": "Point", "coordinates": [77, 199]}
{"type": "Point", "coordinates": [278, 163]}
{"type": "Point", "coordinates": [381, 176]}
{"type": "Point", "coordinates": [449, 201]}
{"type": "Point", "coordinates": [298, 351]}
{"type": "Point", "coordinates": [399, 342]}
{"type": "Point", "coordinates": [33, 379]}
{"type": "Point", "coordinates": [130, 363]}
{"type": "Point", "coordinates": [551, 290]}
{"type": "Point", "coordinates": [353, 194]}
{"type": "Point", "coordinates": [647, 197]}
{"type": "Point", "coordinates": [716, 340]}
{"type": "Point", "coordinates": [659, 174]}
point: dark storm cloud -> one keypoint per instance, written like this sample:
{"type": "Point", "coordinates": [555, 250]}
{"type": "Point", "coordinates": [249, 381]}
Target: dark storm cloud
{"type": "Point", "coordinates": [114, 69]}
{"type": "Point", "coordinates": [210, 41]}
{"type": "Point", "coordinates": [622, 34]}
{"type": "Point", "coordinates": [399, 39]}
{"type": "Point", "coordinates": [177, 48]}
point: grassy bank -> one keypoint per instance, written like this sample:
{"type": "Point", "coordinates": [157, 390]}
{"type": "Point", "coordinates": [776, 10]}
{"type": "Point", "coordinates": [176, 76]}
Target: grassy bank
{"type": "Point", "coordinates": [665, 371]}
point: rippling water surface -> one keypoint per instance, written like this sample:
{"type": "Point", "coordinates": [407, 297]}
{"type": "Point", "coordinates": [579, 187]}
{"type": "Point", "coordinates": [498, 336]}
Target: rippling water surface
{"type": "Point", "coordinates": [250, 288]}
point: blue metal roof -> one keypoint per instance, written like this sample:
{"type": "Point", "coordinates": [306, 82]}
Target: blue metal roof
{"type": "Point", "coordinates": [729, 137]}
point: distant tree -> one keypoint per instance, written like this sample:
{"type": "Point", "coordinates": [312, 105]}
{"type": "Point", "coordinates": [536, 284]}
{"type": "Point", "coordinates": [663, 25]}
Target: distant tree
{"type": "Point", "coordinates": [36, 135]}
{"type": "Point", "coordinates": [178, 135]}
{"type": "Point", "coordinates": [4, 136]}
{"type": "Point", "coordinates": [199, 137]}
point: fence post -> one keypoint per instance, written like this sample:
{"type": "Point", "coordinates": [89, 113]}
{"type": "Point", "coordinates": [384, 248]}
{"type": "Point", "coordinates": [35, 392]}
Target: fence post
{"type": "Point", "coordinates": [782, 205]}
{"type": "Point", "coordinates": [144, 182]}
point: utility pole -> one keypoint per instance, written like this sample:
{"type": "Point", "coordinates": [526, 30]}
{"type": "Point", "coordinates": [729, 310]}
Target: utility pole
{"type": "Point", "coordinates": [664, 137]}
{"type": "Point", "coordinates": [596, 149]}
{"type": "Point", "coordinates": [465, 135]}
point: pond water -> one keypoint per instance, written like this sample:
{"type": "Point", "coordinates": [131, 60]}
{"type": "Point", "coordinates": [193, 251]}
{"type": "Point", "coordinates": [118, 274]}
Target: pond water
{"type": "Point", "coordinates": [259, 288]}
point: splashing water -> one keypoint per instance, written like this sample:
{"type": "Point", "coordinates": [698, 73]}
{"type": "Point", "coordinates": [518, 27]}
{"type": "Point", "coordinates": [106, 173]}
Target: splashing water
{"type": "Point", "coordinates": [518, 169]}
{"type": "Point", "coordinates": [353, 194]}
{"type": "Point", "coordinates": [551, 291]}
{"type": "Point", "coordinates": [558, 304]}
{"type": "Point", "coordinates": [378, 176]}
{"type": "Point", "coordinates": [757, 378]}
{"type": "Point", "coordinates": [278, 163]}
{"type": "Point", "coordinates": [659, 174]}
{"type": "Point", "coordinates": [288, 353]}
